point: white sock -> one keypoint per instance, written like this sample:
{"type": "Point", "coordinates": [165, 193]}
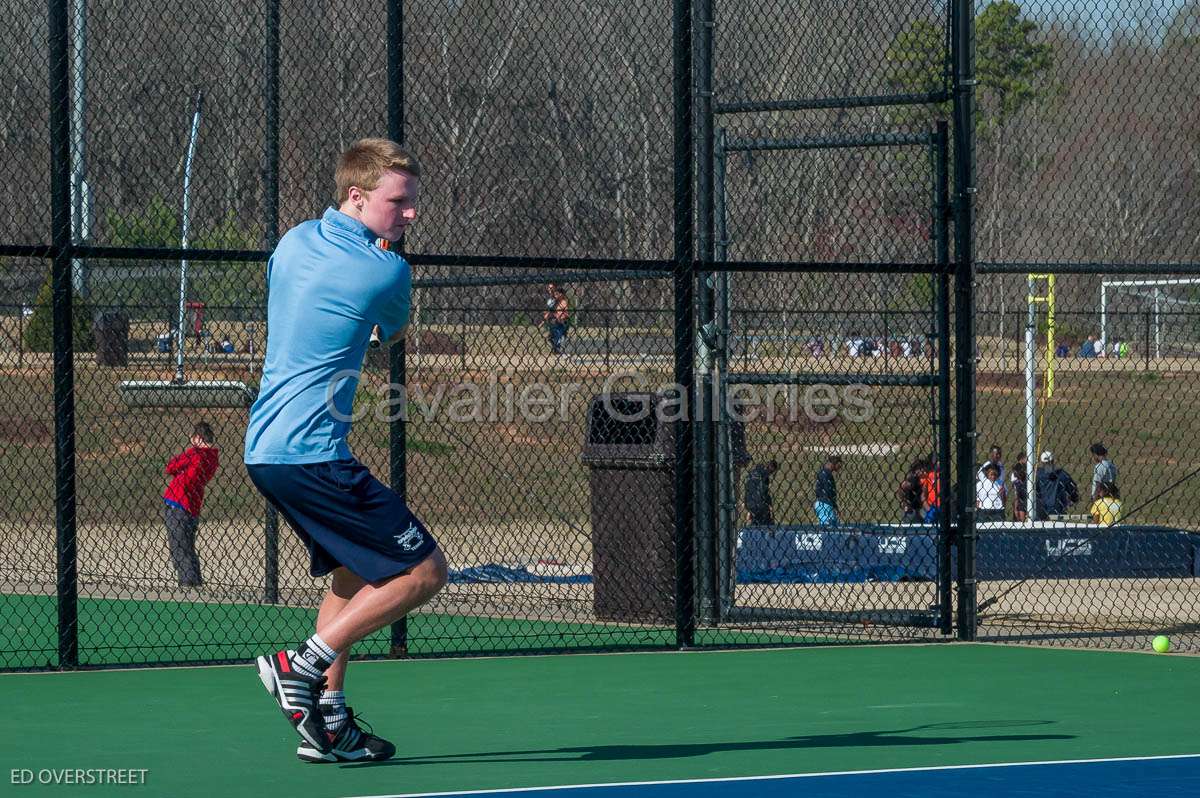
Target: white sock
{"type": "Point", "coordinates": [333, 708]}
{"type": "Point", "coordinates": [313, 657]}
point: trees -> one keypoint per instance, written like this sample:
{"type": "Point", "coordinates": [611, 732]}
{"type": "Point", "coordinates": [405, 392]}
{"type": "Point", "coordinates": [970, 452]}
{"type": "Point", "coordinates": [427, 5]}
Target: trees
{"type": "Point", "coordinates": [39, 335]}
{"type": "Point", "coordinates": [1014, 69]}
{"type": "Point", "coordinates": [1012, 66]}
{"type": "Point", "coordinates": [152, 287]}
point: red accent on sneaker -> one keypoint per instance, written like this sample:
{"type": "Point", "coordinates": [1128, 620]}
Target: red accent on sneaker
{"type": "Point", "coordinates": [332, 735]}
{"type": "Point", "coordinates": [283, 662]}
{"type": "Point", "coordinates": [297, 715]}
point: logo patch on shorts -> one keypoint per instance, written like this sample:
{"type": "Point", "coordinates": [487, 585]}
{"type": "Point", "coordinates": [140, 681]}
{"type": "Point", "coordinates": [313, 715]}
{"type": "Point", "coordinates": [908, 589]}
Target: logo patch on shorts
{"type": "Point", "coordinates": [411, 539]}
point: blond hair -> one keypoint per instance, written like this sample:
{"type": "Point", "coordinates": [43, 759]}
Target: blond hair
{"type": "Point", "coordinates": [365, 161]}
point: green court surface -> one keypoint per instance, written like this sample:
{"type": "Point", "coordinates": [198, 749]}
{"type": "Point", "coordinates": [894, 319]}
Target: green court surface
{"type": "Point", "coordinates": [117, 631]}
{"type": "Point", "coordinates": [475, 724]}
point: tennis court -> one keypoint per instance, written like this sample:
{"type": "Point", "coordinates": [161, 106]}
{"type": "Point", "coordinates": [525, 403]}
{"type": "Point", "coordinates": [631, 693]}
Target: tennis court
{"type": "Point", "coordinates": [904, 720]}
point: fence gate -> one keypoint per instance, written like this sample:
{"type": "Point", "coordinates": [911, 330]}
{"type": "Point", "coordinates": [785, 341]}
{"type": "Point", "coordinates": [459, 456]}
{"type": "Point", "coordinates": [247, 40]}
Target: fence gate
{"type": "Point", "coordinates": [824, 342]}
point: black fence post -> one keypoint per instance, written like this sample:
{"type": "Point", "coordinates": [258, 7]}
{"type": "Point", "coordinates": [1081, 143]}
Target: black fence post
{"type": "Point", "coordinates": [963, 50]}
{"type": "Point", "coordinates": [941, 241]}
{"type": "Point", "coordinates": [270, 239]}
{"type": "Point", "coordinates": [703, 425]}
{"type": "Point", "coordinates": [684, 294]}
{"type": "Point", "coordinates": [397, 358]}
{"type": "Point", "coordinates": [64, 369]}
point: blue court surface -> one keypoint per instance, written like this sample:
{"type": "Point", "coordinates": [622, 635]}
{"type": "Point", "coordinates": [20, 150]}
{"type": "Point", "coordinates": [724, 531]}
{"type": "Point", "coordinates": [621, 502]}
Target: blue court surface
{"type": "Point", "coordinates": [1102, 778]}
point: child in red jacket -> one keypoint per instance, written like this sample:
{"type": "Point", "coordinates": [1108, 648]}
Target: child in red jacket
{"type": "Point", "coordinates": [190, 472]}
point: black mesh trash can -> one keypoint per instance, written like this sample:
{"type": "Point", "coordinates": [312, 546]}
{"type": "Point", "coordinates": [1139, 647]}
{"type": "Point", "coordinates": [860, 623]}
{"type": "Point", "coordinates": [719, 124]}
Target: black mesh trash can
{"type": "Point", "coordinates": [629, 452]}
{"type": "Point", "coordinates": [111, 330]}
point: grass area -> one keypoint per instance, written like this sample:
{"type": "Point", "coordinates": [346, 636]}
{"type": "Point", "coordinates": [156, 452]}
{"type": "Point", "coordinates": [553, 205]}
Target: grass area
{"type": "Point", "coordinates": [124, 631]}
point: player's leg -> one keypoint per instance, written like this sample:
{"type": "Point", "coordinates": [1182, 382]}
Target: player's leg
{"type": "Point", "coordinates": [378, 604]}
{"type": "Point", "coordinates": [350, 742]}
{"type": "Point", "coordinates": [343, 588]}
{"type": "Point", "coordinates": [384, 564]}
{"type": "Point", "coordinates": [367, 607]}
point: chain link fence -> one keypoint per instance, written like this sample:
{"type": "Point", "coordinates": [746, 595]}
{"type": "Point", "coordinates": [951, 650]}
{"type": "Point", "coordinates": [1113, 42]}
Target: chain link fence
{"type": "Point", "coordinates": [1087, 174]}
{"type": "Point", "coordinates": [772, 210]}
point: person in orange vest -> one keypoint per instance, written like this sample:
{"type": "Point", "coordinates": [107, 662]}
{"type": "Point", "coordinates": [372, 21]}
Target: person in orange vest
{"type": "Point", "coordinates": [931, 492]}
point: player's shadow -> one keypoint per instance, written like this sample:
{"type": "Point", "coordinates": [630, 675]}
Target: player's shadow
{"type": "Point", "coordinates": [861, 739]}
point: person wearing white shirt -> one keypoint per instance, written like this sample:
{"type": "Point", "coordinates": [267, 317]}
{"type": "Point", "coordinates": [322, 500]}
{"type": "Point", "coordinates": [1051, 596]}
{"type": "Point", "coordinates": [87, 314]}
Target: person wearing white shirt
{"type": "Point", "coordinates": [989, 494]}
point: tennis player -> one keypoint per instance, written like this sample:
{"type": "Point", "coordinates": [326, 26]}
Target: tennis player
{"type": "Point", "coordinates": [331, 281]}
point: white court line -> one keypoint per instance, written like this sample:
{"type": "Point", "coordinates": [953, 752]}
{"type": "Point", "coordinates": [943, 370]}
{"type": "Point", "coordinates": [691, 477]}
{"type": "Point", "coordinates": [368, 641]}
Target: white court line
{"type": "Point", "coordinates": [519, 790]}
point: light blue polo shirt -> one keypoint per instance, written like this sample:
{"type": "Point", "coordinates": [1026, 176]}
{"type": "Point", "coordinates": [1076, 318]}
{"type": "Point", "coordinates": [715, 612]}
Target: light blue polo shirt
{"type": "Point", "coordinates": [328, 284]}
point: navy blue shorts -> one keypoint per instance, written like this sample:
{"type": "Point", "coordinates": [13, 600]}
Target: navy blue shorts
{"type": "Point", "coordinates": [345, 516]}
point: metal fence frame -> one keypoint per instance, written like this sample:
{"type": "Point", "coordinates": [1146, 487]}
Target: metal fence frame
{"type": "Point", "coordinates": [696, 257]}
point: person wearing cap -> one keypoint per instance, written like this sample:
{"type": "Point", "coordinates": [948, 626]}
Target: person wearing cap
{"type": "Point", "coordinates": [1056, 490]}
{"type": "Point", "coordinates": [1104, 471]}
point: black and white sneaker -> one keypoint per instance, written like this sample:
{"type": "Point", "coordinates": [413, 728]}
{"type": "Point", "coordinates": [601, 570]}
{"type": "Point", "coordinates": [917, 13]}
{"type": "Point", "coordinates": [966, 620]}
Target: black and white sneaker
{"type": "Point", "coordinates": [298, 696]}
{"type": "Point", "coordinates": [350, 744]}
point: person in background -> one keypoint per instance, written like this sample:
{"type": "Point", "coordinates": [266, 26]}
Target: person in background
{"type": "Point", "coordinates": [1020, 488]}
{"type": "Point", "coordinates": [826, 503]}
{"type": "Point", "coordinates": [1104, 470]}
{"type": "Point", "coordinates": [989, 494]}
{"type": "Point", "coordinates": [190, 472]}
{"type": "Point", "coordinates": [1106, 509]}
{"type": "Point", "coordinates": [556, 316]}
{"type": "Point", "coordinates": [758, 493]}
{"type": "Point", "coordinates": [996, 458]}
{"type": "Point", "coordinates": [1056, 490]}
{"type": "Point", "coordinates": [931, 492]}
{"type": "Point", "coordinates": [909, 493]}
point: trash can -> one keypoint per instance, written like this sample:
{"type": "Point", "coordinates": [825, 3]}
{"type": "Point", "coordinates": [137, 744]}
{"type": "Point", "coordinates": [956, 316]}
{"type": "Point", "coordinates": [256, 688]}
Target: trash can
{"type": "Point", "coordinates": [630, 454]}
{"type": "Point", "coordinates": [111, 331]}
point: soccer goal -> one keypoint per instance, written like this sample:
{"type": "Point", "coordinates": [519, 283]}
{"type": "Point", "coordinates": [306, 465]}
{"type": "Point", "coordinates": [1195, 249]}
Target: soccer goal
{"type": "Point", "coordinates": [1160, 316]}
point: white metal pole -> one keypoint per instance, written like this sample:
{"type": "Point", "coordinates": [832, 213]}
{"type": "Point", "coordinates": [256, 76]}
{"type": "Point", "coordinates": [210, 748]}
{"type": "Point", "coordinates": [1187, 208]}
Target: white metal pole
{"type": "Point", "coordinates": [1104, 314]}
{"type": "Point", "coordinates": [183, 237]}
{"type": "Point", "coordinates": [1157, 325]}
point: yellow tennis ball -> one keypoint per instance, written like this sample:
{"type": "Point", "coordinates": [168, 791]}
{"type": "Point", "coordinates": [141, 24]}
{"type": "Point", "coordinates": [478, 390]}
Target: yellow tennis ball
{"type": "Point", "coordinates": [1162, 644]}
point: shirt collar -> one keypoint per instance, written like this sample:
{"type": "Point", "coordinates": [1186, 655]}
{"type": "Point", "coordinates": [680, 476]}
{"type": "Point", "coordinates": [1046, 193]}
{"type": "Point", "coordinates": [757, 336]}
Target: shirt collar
{"type": "Point", "coordinates": [335, 218]}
